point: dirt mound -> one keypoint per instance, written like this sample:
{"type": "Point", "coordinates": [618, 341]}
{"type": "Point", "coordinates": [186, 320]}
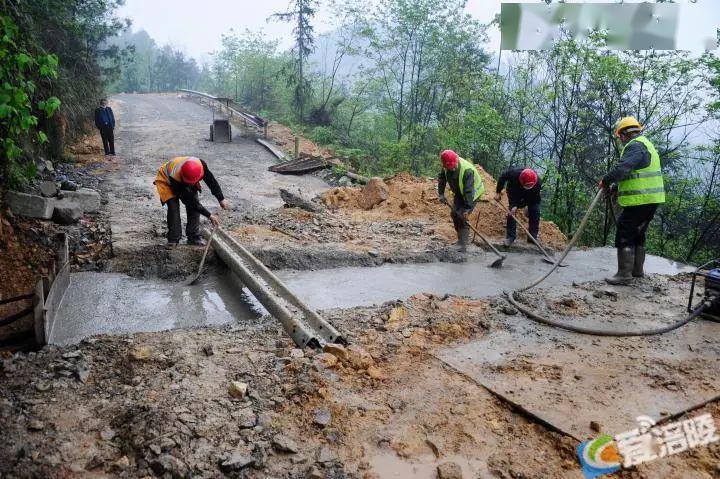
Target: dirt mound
{"type": "Point", "coordinates": [413, 197]}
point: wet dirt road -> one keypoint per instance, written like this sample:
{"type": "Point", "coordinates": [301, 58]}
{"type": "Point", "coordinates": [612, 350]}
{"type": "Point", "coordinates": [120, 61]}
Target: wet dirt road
{"type": "Point", "coordinates": [153, 128]}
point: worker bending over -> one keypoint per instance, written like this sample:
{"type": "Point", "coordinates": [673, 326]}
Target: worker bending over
{"type": "Point", "coordinates": [179, 180]}
{"type": "Point", "coordinates": [640, 189]}
{"type": "Point", "coordinates": [467, 187]}
{"type": "Point", "coordinates": [523, 190]}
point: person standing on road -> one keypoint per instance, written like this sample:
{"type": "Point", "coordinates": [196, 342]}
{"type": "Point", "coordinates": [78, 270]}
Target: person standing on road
{"type": "Point", "coordinates": [105, 122]}
{"type": "Point", "coordinates": [523, 190]}
{"type": "Point", "coordinates": [467, 187]}
{"type": "Point", "coordinates": [179, 180]}
{"type": "Point", "coordinates": [638, 181]}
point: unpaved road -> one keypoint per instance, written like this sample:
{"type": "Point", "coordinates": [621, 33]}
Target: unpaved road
{"type": "Point", "coordinates": [154, 128]}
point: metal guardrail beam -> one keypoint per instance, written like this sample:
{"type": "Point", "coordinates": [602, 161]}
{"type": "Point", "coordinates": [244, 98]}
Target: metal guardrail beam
{"type": "Point", "coordinates": [275, 296]}
{"type": "Point", "coordinates": [237, 110]}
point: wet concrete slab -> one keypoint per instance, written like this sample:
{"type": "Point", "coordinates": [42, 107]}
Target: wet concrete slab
{"type": "Point", "coordinates": [356, 286]}
{"type": "Point", "coordinates": [569, 380]}
{"type": "Point", "coordinates": [110, 303]}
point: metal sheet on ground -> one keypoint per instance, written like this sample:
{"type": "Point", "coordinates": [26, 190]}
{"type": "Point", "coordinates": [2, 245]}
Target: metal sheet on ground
{"type": "Point", "coordinates": [568, 380]}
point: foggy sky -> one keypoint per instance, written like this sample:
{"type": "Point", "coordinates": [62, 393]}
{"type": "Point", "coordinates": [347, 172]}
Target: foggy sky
{"type": "Point", "coordinates": [195, 26]}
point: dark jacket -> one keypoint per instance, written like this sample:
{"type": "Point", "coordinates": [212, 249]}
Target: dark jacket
{"type": "Point", "coordinates": [517, 195]}
{"type": "Point", "coordinates": [635, 157]}
{"type": "Point", "coordinates": [452, 178]}
{"type": "Point", "coordinates": [104, 117]}
{"type": "Point", "coordinates": [188, 193]}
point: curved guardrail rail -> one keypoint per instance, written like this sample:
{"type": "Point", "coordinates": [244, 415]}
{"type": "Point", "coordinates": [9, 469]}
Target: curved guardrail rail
{"type": "Point", "coordinates": [233, 107]}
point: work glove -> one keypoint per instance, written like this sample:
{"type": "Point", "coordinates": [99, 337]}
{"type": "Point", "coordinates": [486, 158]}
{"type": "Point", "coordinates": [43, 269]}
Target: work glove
{"type": "Point", "coordinates": [215, 220]}
{"type": "Point", "coordinates": [225, 204]}
{"type": "Point", "coordinates": [498, 197]}
{"type": "Point", "coordinates": [442, 199]}
{"type": "Point", "coordinates": [513, 210]}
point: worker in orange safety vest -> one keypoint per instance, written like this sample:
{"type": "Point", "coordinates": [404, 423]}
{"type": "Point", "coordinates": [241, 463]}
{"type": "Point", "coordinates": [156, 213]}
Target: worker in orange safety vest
{"type": "Point", "coordinates": [179, 180]}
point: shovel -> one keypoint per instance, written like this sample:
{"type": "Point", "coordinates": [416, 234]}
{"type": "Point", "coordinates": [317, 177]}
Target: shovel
{"type": "Point", "coordinates": [498, 263]}
{"type": "Point", "coordinates": [191, 279]}
{"type": "Point", "coordinates": [546, 257]}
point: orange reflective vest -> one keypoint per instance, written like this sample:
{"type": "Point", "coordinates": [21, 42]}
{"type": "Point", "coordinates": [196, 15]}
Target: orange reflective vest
{"type": "Point", "coordinates": [170, 169]}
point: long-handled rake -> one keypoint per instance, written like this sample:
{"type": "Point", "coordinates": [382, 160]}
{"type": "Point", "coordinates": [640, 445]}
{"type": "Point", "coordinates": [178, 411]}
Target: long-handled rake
{"type": "Point", "coordinates": [546, 256]}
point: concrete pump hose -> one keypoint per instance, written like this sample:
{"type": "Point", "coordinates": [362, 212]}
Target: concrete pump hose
{"type": "Point", "coordinates": [578, 233]}
{"type": "Point", "coordinates": [602, 332]}
{"type": "Point", "coordinates": [595, 332]}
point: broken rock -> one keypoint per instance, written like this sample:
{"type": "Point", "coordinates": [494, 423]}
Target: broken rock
{"type": "Point", "coordinates": [337, 350]}
{"type": "Point", "coordinates": [358, 357]}
{"type": "Point", "coordinates": [297, 201]}
{"type": "Point", "coordinates": [282, 443]}
{"type": "Point", "coordinates": [48, 189]}
{"type": "Point", "coordinates": [374, 193]}
{"type": "Point", "coordinates": [236, 461]}
{"type": "Point", "coordinates": [323, 417]}
{"type": "Point", "coordinates": [67, 212]}
{"type": "Point", "coordinates": [238, 389]}
{"type": "Point", "coordinates": [449, 470]}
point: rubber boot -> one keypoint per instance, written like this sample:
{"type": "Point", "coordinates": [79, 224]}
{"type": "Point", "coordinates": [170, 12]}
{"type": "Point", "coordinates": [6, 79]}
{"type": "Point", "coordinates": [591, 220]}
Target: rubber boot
{"type": "Point", "coordinates": [463, 239]}
{"type": "Point", "coordinates": [626, 258]}
{"type": "Point", "coordinates": [638, 271]}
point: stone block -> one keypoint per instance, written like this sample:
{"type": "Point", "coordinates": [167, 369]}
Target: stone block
{"type": "Point", "coordinates": [48, 189]}
{"type": "Point", "coordinates": [89, 200]}
{"type": "Point", "coordinates": [31, 206]}
{"type": "Point", "coordinates": [67, 212]}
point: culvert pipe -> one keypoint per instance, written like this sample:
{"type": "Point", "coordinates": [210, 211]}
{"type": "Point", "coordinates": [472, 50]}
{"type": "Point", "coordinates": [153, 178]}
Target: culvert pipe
{"type": "Point", "coordinates": [298, 331]}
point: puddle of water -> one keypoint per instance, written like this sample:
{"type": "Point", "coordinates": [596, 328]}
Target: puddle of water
{"type": "Point", "coordinates": [109, 303]}
{"type": "Point", "coordinates": [389, 466]}
{"type": "Point", "coordinates": [357, 286]}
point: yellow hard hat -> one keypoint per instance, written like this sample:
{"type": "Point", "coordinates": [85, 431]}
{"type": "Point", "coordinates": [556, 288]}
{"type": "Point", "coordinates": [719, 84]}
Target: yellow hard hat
{"type": "Point", "coordinates": [627, 122]}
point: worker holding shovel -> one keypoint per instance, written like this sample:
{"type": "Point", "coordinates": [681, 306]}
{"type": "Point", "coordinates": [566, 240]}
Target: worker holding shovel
{"type": "Point", "coordinates": [467, 187]}
{"type": "Point", "coordinates": [179, 180]}
{"type": "Point", "coordinates": [523, 190]}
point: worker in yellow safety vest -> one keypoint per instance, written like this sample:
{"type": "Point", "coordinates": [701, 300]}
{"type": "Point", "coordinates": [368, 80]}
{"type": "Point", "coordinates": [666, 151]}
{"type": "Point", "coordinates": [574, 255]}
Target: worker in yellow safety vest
{"type": "Point", "coordinates": [467, 187]}
{"type": "Point", "coordinates": [638, 181]}
{"type": "Point", "coordinates": [179, 180]}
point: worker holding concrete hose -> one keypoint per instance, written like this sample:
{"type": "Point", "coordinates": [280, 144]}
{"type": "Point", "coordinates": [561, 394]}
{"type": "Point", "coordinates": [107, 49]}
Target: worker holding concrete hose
{"type": "Point", "coordinates": [638, 182]}
{"type": "Point", "coordinates": [523, 191]}
{"type": "Point", "coordinates": [179, 180]}
{"type": "Point", "coordinates": [467, 187]}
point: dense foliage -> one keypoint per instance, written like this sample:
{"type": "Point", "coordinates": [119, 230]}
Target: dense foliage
{"type": "Point", "coordinates": [402, 79]}
{"type": "Point", "coordinates": [52, 52]}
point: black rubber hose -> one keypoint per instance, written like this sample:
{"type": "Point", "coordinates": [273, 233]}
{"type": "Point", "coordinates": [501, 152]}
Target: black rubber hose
{"type": "Point", "coordinates": [600, 332]}
{"type": "Point", "coordinates": [595, 332]}
{"type": "Point", "coordinates": [578, 233]}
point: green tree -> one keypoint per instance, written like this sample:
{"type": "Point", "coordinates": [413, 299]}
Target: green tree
{"type": "Point", "coordinates": [300, 14]}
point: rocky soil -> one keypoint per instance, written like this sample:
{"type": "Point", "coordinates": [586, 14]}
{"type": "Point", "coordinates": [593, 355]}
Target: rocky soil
{"type": "Point", "coordinates": [241, 401]}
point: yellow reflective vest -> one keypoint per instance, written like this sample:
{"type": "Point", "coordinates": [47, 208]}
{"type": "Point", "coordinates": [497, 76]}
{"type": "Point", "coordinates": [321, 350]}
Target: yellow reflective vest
{"type": "Point", "coordinates": [478, 185]}
{"type": "Point", "coordinates": [170, 169]}
{"type": "Point", "coordinates": [644, 186]}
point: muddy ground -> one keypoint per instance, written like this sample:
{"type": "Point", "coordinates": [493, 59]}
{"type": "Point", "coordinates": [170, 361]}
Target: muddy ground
{"type": "Point", "coordinates": [170, 404]}
{"type": "Point", "coordinates": [159, 405]}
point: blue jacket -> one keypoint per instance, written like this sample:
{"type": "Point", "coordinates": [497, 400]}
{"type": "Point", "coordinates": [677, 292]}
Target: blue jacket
{"type": "Point", "coordinates": [104, 117]}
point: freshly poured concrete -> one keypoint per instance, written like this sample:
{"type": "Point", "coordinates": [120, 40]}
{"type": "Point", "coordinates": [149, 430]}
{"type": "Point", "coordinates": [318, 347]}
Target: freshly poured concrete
{"type": "Point", "coordinates": [107, 303]}
{"type": "Point", "coordinates": [98, 303]}
{"type": "Point", "coordinates": [349, 287]}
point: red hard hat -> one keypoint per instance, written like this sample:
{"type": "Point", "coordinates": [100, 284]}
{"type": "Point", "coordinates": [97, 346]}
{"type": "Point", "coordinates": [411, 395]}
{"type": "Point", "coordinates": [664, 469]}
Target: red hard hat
{"type": "Point", "coordinates": [449, 159]}
{"type": "Point", "coordinates": [528, 178]}
{"type": "Point", "coordinates": [192, 171]}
